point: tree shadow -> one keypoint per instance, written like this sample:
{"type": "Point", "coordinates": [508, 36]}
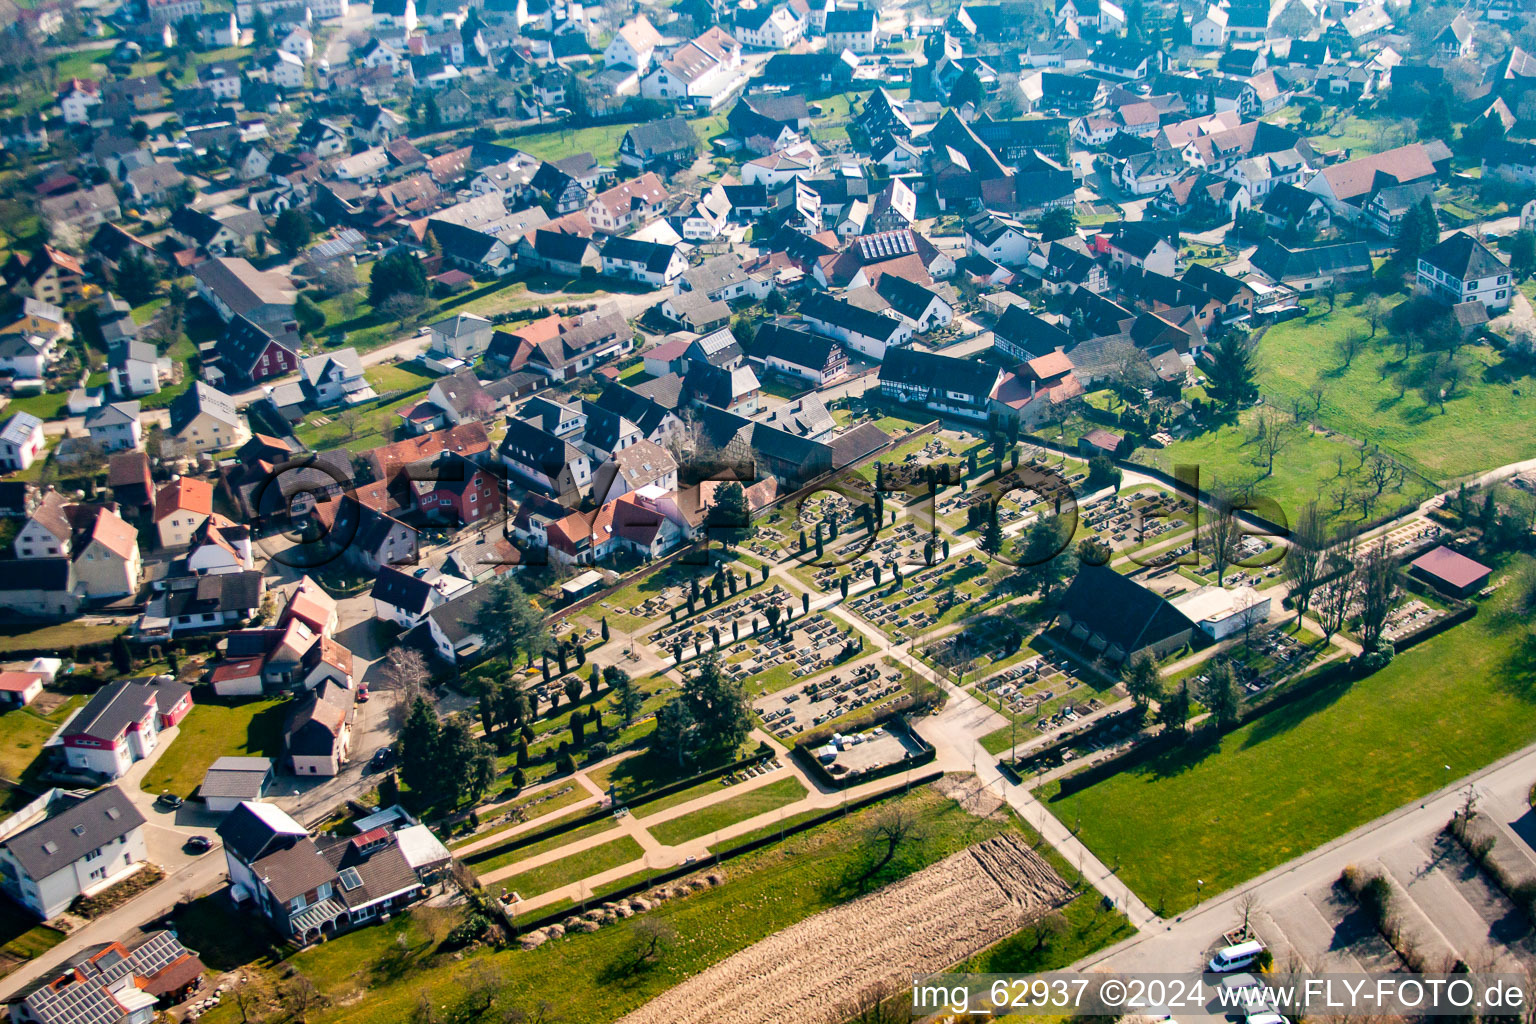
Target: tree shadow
{"type": "Point", "coordinates": [1288, 716]}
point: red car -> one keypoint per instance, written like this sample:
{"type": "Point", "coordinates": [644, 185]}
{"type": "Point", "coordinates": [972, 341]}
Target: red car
{"type": "Point", "coordinates": [362, 695]}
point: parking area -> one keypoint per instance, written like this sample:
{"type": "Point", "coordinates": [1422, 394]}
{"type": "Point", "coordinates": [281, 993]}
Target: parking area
{"type": "Point", "coordinates": [866, 751]}
{"type": "Point", "coordinates": [1447, 906]}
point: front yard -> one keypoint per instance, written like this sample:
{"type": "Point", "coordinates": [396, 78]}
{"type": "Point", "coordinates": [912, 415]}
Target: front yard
{"type": "Point", "coordinates": [213, 729]}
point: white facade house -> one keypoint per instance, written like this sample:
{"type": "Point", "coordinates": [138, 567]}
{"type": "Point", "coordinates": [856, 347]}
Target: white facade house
{"type": "Point", "coordinates": [1210, 32]}
{"type": "Point", "coordinates": [1463, 269]}
{"type": "Point", "coordinates": [60, 847]}
{"type": "Point", "coordinates": [633, 45]}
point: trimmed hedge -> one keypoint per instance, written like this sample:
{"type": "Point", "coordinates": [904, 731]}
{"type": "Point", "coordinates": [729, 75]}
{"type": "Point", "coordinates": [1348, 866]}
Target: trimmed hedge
{"type": "Point", "coordinates": [804, 753]}
{"type": "Point", "coordinates": [683, 870]}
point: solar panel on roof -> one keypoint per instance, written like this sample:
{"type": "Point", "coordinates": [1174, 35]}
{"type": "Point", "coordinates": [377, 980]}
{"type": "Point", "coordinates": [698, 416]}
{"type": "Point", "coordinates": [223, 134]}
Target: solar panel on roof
{"type": "Point", "coordinates": [349, 879]}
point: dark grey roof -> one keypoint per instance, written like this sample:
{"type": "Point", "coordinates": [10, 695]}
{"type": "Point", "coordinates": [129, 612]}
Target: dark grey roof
{"type": "Point", "coordinates": [659, 138]}
{"type": "Point", "coordinates": [835, 312]}
{"type": "Point", "coordinates": [654, 256]}
{"type": "Point", "coordinates": [1280, 263]}
{"type": "Point", "coordinates": [71, 833]}
{"type": "Point", "coordinates": [1023, 329]}
{"type": "Point", "coordinates": [205, 595]}
{"type": "Point", "coordinates": [641, 410]}
{"type": "Point", "coordinates": [1120, 610]}
{"type": "Point", "coordinates": [854, 444]}
{"type": "Point", "coordinates": [251, 831]}
{"type": "Point", "coordinates": [402, 589]}
{"type": "Point", "coordinates": [930, 370]}
{"type": "Point", "coordinates": [1464, 258]}
{"type": "Point", "coordinates": [456, 618]}
{"type": "Point", "coordinates": [792, 345]}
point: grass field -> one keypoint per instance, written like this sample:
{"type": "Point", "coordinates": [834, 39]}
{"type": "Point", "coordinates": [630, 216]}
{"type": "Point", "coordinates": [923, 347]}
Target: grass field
{"type": "Point", "coordinates": [387, 377]}
{"type": "Point", "coordinates": [211, 730]}
{"type": "Point", "coordinates": [602, 141]}
{"type": "Point", "coordinates": [728, 812]}
{"type": "Point", "coordinates": [1485, 424]}
{"type": "Point", "coordinates": [366, 425]}
{"type": "Point", "coordinates": [23, 733]}
{"type": "Point", "coordinates": [511, 853]}
{"type": "Point", "coordinates": [1304, 471]}
{"type": "Point", "coordinates": [573, 868]}
{"type": "Point", "coordinates": [1313, 770]}
{"type": "Point", "coordinates": [373, 976]}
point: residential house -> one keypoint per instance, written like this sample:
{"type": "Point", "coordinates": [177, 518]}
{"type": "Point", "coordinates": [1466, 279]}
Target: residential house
{"type": "Point", "coordinates": [122, 723]}
{"type": "Point", "coordinates": [664, 145]}
{"type": "Point", "coordinates": [798, 354]}
{"type": "Point", "coordinates": [310, 889]}
{"type": "Point", "coordinates": [115, 427]}
{"type": "Point", "coordinates": [405, 598]}
{"type": "Point", "coordinates": [58, 847]}
{"type": "Point", "coordinates": [181, 508]}
{"type": "Point", "coordinates": [857, 31]}
{"type": "Point", "coordinates": [940, 384]}
{"type": "Point", "coordinates": [650, 263]}
{"type": "Point", "coordinates": [204, 419]}
{"type": "Point", "coordinates": [335, 377]}
{"type": "Point", "coordinates": [465, 337]}
{"type": "Point", "coordinates": [1462, 269]}
{"type": "Point", "coordinates": [190, 604]}
{"type": "Point", "coordinates": [869, 334]}
{"type": "Point", "coordinates": [317, 733]}
{"type": "Point", "coordinates": [21, 441]}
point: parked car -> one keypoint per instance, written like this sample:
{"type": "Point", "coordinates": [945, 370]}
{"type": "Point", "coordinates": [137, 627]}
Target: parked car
{"type": "Point", "coordinates": [168, 801]}
{"type": "Point", "coordinates": [199, 844]}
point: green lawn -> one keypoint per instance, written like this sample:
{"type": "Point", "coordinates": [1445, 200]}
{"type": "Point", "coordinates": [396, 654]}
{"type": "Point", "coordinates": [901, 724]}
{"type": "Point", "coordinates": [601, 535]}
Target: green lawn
{"type": "Point", "coordinates": [1485, 424]}
{"type": "Point", "coordinates": [214, 728]}
{"type": "Point", "coordinates": [602, 141]}
{"type": "Point", "coordinates": [23, 733]}
{"type": "Point", "coordinates": [364, 426]}
{"type": "Point", "coordinates": [45, 406]}
{"type": "Point", "coordinates": [511, 853]}
{"type": "Point", "coordinates": [1306, 470]}
{"type": "Point", "coordinates": [1319, 767]}
{"type": "Point", "coordinates": [369, 976]}
{"type": "Point", "coordinates": [728, 812]}
{"type": "Point", "coordinates": [573, 868]}
{"type": "Point", "coordinates": [387, 377]}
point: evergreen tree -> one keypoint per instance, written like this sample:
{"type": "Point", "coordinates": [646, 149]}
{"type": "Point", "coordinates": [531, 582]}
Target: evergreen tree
{"type": "Point", "coordinates": [1231, 372]}
{"type": "Point", "coordinates": [1142, 681]}
{"type": "Point", "coordinates": [420, 746]}
{"type": "Point", "coordinates": [1419, 230]}
{"type": "Point", "coordinates": [729, 517]}
{"type": "Point", "coordinates": [718, 705]}
{"type": "Point", "coordinates": [291, 231]}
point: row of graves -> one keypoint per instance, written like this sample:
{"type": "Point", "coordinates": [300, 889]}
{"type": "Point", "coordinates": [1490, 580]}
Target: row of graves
{"type": "Point", "coordinates": [734, 619]}
{"type": "Point", "coordinates": [1026, 688]}
{"type": "Point", "coordinates": [1126, 520]}
{"type": "Point", "coordinates": [895, 612]}
{"type": "Point", "coordinates": [812, 646]}
{"type": "Point", "coordinates": [824, 699]}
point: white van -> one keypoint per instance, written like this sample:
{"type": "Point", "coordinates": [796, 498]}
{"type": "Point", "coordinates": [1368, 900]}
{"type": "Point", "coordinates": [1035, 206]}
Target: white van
{"type": "Point", "coordinates": [1235, 957]}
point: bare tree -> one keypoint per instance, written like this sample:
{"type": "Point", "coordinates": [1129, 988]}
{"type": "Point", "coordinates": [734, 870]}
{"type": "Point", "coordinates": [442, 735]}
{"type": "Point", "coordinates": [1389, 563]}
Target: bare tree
{"type": "Point", "coordinates": [401, 306]}
{"type": "Point", "coordinates": [1247, 905]}
{"type": "Point", "coordinates": [1334, 600]}
{"type": "Point", "coordinates": [883, 1002]}
{"type": "Point", "coordinates": [1382, 472]}
{"type": "Point", "coordinates": [1347, 347]}
{"type": "Point", "coordinates": [1222, 533]}
{"type": "Point", "coordinates": [250, 994]}
{"type": "Point", "coordinates": [894, 826]}
{"type": "Point", "coordinates": [300, 996]}
{"type": "Point", "coordinates": [653, 937]}
{"type": "Point", "coordinates": [1375, 583]}
{"type": "Point", "coordinates": [405, 671]}
{"type": "Point", "coordinates": [1305, 557]}
{"type": "Point", "coordinates": [1372, 311]}
{"type": "Point", "coordinates": [1273, 437]}
{"type": "Point", "coordinates": [479, 986]}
